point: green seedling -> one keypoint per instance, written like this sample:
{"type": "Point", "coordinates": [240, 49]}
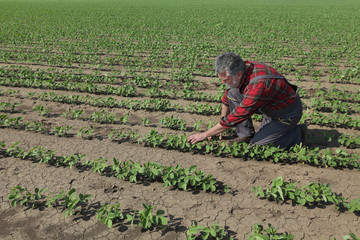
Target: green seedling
{"type": "Point", "coordinates": [30, 95]}
{"type": "Point", "coordinates": [98, 165]}
{"type": "Point", "coordinates": [259, 233]}
{"type": "Point", "coordinates": [61, 130]}
{"type": "Point", "coordinates": [197, 125]}
{"type": "Point", "coordinates": [70, 201]}
{"type": "Point", "coordinates": [108, 215]}
{"type": "Point", "coordinates": [85, 130]}
{"type": "Point", "coordinates": [20, 195]}
{"type": "Point", "coordinates": [8, 107]}
{"type": "Point", "coordinates": [215, 231]}
{"type": "Point", "coordinates": [145, 121]}
{"type": "Point", "coordinates": [77, 113]}
{"type": "Point", "coordinates": [131, 218]}
{"type": "Point", "coordinates": [147, 220]}
{"type": "Point", "coordinates": [311, 194]}
{"type": "Point", "coordinates": [41, 109]}
{"type": "Point", "coordinates": [35, 126]}
{"type": "Point", "coordinates": [124, 119]}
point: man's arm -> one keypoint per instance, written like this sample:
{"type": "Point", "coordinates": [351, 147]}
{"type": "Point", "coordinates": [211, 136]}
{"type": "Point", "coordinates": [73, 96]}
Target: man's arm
{"type": "Point", "coordinates": [225, 110]}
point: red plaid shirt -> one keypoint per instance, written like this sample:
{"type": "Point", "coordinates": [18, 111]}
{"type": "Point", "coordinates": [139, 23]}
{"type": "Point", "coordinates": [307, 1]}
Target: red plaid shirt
{"type": "Point", "coordinates": [271, 93]}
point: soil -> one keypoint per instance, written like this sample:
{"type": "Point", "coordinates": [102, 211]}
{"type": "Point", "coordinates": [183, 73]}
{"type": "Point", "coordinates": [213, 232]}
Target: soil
{"type": "Point", "coordinates": [238, 210]}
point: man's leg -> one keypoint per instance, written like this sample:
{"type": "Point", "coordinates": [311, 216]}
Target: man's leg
{"type": "Point", "coordinates": [282, 132]}
{"type": "Point", "coordinates": [245, 129]}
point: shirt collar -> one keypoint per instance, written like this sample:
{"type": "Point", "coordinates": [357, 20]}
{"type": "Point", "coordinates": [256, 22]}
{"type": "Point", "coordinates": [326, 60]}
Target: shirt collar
{"type": "Point", "coordinates": [248, 71]}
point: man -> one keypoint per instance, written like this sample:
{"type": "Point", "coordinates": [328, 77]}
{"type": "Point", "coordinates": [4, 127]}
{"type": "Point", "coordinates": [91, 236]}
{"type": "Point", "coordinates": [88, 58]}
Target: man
{"type": "Point", "coordinates": [256, 87]}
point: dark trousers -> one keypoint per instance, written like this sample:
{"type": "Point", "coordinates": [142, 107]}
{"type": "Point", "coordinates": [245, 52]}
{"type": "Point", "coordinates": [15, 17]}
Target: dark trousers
{"type": "Point", "coordinates": [278, 127]}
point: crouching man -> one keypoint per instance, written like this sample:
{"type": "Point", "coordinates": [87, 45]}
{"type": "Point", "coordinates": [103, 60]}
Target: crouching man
{"type": "Point", "coordinates": [256, 87]}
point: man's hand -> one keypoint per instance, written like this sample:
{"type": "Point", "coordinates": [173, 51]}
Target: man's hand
{"type": "Point", "coordinates": [217, 129]}
{"type": "Point", "coordinates": [196, 138]}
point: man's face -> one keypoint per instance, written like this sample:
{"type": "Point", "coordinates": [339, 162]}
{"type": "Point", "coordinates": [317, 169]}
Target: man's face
{"type": "Point", "coordinates": [232, 81]}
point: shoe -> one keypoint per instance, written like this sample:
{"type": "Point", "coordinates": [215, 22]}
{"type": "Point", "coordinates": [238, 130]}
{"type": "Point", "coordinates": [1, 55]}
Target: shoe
{"type": "Point", "coordinates": [240, 140]}
{"type": "Point", "coordinates": [303, 130]}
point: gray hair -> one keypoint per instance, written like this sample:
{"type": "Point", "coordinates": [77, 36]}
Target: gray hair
{"type": "Point", "coordinates": [231, 62]}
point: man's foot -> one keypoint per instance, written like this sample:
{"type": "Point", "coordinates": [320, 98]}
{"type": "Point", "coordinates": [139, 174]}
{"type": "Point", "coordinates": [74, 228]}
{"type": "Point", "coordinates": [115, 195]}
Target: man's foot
{"type": "Point", "coordinates": [303, 130]}
{"type": "Point", "coordinates": [240, 140]}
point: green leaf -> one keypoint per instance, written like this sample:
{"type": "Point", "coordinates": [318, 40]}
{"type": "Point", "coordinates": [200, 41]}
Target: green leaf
{"type": "Point", "coordinates": [66, 213]}
{"type": "Point", "coordinates": [213, 232]}
{"type": "Point", "coordinates": [163, 220]}
{"type": "Point", "coordinates": [71, 191]}
{"type": "Point", "coordinates": [353, 236]}
{"type": "Point", "coordinates": [193, 230]}
{"type": "Point", "coordinates": [10, 197]}
{"type": "Point", "coordinates": [278, 182]}
{"type": "Point", "coordinates": [192, 168]}
{"type": "Point", "coordinates": [109, 223]}
{"type": "Point", "coordinates": [182, 185]}
{"type": "Point", "coordinates": [132, 178]}
{"type": "Point", "coordinates": [280, 191]}
{"type": "Point", "coordinates": [309, 198]}
{"type": "Point", "coordinates": [155, 220]}
{"type": "Point", "coordinates": [160, 212]}
{"type": "Point", "coordinates": [129, 218]}
{"type": "Point", "coordinates": [291, 195]}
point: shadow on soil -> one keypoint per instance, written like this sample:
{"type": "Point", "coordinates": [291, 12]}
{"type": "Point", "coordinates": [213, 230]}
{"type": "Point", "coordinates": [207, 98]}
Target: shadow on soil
{"type": "Point", "coordinates": [323, 138]}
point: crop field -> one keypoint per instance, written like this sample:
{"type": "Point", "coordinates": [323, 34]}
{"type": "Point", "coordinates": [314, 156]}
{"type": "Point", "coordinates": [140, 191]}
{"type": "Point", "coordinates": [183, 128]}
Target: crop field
{"type": "Point", "coordinates": [97, 99]}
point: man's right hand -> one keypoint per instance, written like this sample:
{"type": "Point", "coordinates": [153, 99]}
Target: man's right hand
{"type": "Point", "coordinates": [196, 138]}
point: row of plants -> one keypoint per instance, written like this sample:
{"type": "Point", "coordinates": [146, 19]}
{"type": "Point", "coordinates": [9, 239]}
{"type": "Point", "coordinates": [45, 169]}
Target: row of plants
{"type": "Point", "coordinates": [110, 117]}
{"type": "Point", "coordinates": [126, 91]}
{"type": "Point", "coordinates": [300, 154]}
{"type": "Point", "coordinates": [334, 105]}
{"type": "Point", "coordinates": [73, 204]}
{"type": "Point", "coordinates": [104, 117]}
{"type": "Point", "coordinates": [111, 215]}
{"type": "Point", "coordinates": [18, 123]}
{"type": "Point", "coordinates": [99, 117]}
{"type": "Point", "coordinates": [141, 79]}
{"type": "Point", "coordinates": [312, 194]}
{"type": "Point", "coordinates": [333, 93]}
{"type": "Point", "coordinates": [69, 201]}
{"type": "Point", "coordinates": [175, 176]}
{"type": "Point", "coordinates": [152, 91]}
{"type": "Point", "coordinates": [297, 154]}
{"type": "Point", "coordinates": [336, 75]}
{"type": "Point", "coordinates": [333, 120]}
{"type": "Point", "coordinates": [154, 87]}
{"type": "Point", "coordinates": [8, 107]}
{"type": "Point", "coordinates": [271, 233]}
{"type": "Point", "coordinates": [349, 141]}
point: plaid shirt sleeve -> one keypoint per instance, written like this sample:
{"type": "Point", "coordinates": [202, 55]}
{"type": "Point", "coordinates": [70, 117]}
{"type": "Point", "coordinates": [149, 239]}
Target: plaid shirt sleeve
{"type": "Point", "coordinates": [270, 93]}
